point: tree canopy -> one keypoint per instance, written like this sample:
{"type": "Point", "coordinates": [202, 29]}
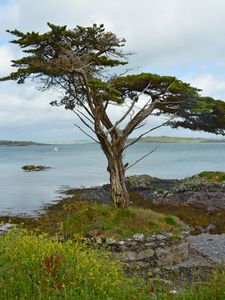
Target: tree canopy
{"type": "Point", "coordinates": [79, 62]}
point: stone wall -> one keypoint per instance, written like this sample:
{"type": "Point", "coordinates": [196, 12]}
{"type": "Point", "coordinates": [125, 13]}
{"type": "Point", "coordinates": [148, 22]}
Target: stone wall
{"type": "Point", "coordinates": [145, 254]}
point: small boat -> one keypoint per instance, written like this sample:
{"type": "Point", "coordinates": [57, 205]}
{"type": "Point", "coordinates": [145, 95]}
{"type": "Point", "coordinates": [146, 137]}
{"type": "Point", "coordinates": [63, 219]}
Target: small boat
{"type": "Point", "coordinates": [56, 149]}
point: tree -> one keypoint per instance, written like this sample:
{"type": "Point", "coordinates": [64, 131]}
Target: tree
{"type": "Point", "coordinates": [78, 63]}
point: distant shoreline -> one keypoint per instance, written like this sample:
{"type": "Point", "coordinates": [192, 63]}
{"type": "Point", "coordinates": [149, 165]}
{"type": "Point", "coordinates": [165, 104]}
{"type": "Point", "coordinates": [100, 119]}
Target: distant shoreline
{"type": "Point", "coordinates": [168, 139]}
{"type": "Point", "coordinates": [19, 143]}
{"type": "Point", "coordinates": [160, 139]}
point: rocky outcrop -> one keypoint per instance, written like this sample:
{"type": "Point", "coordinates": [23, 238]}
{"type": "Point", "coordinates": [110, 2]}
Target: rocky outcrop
{"type": "Point", "coordinates": [33, 168]}
{"type": "Point", "coordinates": [191, 191]}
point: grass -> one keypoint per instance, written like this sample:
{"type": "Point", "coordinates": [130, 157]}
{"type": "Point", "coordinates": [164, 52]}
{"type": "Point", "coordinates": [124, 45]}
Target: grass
{"type": "Point", "coordinates": [211, 176]}
{"type": "Point", "coordinates": [212, 289]}
{"type": "Point", "coordinates": [117, 223]}
{"type": "Point", "coordinates": [41, 267]}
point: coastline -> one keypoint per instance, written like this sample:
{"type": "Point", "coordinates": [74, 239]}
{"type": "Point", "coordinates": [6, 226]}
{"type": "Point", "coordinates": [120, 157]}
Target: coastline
{"type": "Point", "coordinates": [205, 201]}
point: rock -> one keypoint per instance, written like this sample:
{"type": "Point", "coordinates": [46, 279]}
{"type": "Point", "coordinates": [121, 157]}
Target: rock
{"type": "Point", "coordinates": [130, 256]}
{"type": "Point", "coordinates": [139, 181]}
{"type": "Point", "coordinates": [5, 228]}
{"type": "Point", "coordinates": [210, 227]}
{"type": "Point", "coordinates": [139, 237]}
{"type": "Point", "coordinates": [33, 168]}
{"type": "Point", "coordinates": [161, 237]}
{"type": "Point", "coordinates": [121, 243]}
{"type": "Point", "coordinates": [171, 255]}
{"type": "Point", "coordinates": [145, 254]}
{"type": "Point", "coordinates": [99, 240]}
{"type": "Point", "coordinates": [110, 241]}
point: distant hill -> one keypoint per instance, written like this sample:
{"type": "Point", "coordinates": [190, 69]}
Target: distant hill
{"type": "Point", "coordinates": [169, 139]}
{"type": "Point", "coordinates": [18, 143]}
{"type": "Point", "coordinates": [148, 139]}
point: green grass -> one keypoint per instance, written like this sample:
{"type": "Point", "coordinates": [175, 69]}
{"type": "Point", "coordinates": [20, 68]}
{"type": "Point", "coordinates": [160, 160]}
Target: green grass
{"type": "Point", "coordinates": [171, 220]}
{"type": "Point", "coordinates": [118, 223]}
{"type": "Point", "coordinates": [211, 176]}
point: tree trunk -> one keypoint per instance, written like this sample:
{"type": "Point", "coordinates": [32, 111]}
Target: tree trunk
{"type": "Point", "coordinates": [119, 193]}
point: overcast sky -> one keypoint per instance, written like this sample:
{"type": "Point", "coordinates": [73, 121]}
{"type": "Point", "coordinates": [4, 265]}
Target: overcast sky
{"type": "Point", "coordinates": [184, 38]}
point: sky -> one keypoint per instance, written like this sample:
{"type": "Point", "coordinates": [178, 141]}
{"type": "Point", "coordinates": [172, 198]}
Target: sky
{"type": "Point", "coordinates": [182, 38]}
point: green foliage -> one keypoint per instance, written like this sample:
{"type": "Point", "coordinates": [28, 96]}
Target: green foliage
{"type": "Point", "coordinates": [39, 267]}
{"type": "Point", "coordinates": [50, 53]}
{"type": "Point", "coordinates": [171, 220]}
{"type": "Point", "coordinates": [161, 191]}
{"type": "Point", "coordinates": [110, 222]}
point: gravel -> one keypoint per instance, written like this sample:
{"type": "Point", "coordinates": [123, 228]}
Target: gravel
{"type": "Point", "coordinates": [211, 246]}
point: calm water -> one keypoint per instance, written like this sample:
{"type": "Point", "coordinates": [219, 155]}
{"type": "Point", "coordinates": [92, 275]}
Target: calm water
{"type": "Point", "coordinates": [84, 165]}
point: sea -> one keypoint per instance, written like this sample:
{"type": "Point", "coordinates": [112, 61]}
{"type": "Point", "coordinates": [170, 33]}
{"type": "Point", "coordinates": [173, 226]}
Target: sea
{"type": "Point", "coordinates": [84, 165]}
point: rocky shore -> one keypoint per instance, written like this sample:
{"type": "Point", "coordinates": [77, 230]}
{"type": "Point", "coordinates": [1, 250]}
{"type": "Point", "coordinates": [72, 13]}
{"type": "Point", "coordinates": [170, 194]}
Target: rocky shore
{"type": "Point", "coordinates": [199, 201]}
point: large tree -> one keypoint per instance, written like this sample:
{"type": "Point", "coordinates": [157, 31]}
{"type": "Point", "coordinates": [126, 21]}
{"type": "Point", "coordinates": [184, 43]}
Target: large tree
{"type": "Point", "coordinates": [79, 63]}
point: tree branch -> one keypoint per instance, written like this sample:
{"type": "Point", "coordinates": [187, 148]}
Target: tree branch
{"type": "Point", "coordinates": [82, 120]}
{"type": "Point", "coordinates": [134, 100]}
{"type": "Point", "coordinates": [86, 133]}
{"type": "Point", "coordinates": [146, 132]}
{"type": "Point", "coordinates": [137, 161]}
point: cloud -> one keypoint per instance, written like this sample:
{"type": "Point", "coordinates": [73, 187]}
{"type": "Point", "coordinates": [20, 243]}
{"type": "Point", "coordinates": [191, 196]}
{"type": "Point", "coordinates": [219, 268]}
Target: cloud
{"type": "Point", "coordinates": [10, 16]}
{"type": "Point", "coordinates": [6, 56]}
{"type": "Point", "coordinates": [174, 37]}
{"type": "Point", "coordinates": [210, 85]}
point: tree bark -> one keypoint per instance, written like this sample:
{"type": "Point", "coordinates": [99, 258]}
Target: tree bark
{"type": "Point", "coordinates": [119, 193]}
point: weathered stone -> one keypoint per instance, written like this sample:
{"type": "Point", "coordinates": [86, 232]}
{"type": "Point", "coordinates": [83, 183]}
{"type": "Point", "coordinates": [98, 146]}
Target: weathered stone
{"type": "Point", "coordinates": [150, 239]}
{"type": "Point", "coordinates": [161, 237]}
{"type": "Point", "coordinates": [139, 237]}
{"type": "Point", "coordinates": [145, 254]}
{"type": "Point", "coordinates": [110, 241]}
{"type": "Point", "coordinates": [174, 254]}
{"type": "Point", "coordinates": [121, 243]}
{"type": "Point", "coordinates": [168, 234]}
{"type": "Point", "coordinates": [149, 244]}
{"type": "Point", "coordinates": [129, 256]}
{"type": "Point", "coordinates": [99, 240]}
